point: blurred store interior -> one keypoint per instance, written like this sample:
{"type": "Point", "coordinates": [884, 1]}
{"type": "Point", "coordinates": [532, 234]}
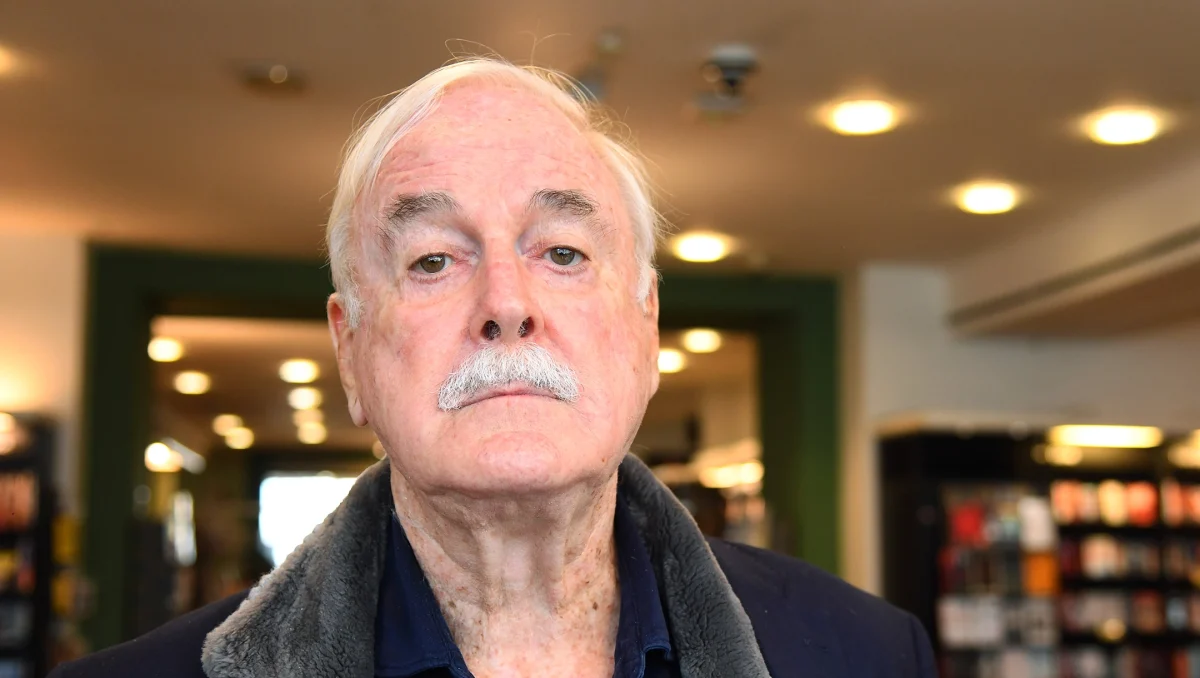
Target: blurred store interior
{"type": "Point", "coordinates": [916, 247]}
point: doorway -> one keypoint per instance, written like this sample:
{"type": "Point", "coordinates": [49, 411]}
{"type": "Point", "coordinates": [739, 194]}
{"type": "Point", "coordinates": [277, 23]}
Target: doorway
{"type": "Point", "coordinates": [792, 319]}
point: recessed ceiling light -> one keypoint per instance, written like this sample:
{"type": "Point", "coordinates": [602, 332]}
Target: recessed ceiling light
{"type": "Point", "coordinates": [240, 438]}
{"type": "Point", "coordinates": [304, 398]}
{"type": "Point", "coordinates": [8, 61]}
{"type": "Point", "coordinates": [192, 382]}
{"type": "Point", "coordinates": [986, 197]}
{"type": "Point", "coordinates": [299, 371]}
{"type": "Point", "coordinates": [301, 417]}
{"type": "Point", "coordinates": [1123, 125]}
{"type": "Point", "coordinates": [701, 340]}
{"type": "Point", "coordinates": [861, 117]}
{"type": "Point", "coordinates": [671, 360]}
{"type": "Point", "coordinates": [311, 433]}
{"type": "Point", "coordinates": [701, 246]}
{"type": "Point", "coordinates": [224, 423]}
{"type": "Point", "coordinates": [162, 459]}
{"type": "Point", "coordinates": [274, 79]}
{"type": "Point", "coordinates": [164, 350]}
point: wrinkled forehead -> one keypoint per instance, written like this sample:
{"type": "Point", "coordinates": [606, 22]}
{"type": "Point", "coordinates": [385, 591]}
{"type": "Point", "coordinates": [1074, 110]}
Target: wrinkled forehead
{"type": "Point", "coordinates": [502, 137]}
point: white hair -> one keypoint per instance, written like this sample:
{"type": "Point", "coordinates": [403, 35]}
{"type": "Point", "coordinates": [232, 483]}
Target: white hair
{"type": "Point", "coordinates": [372, 142]}
{"type": "Point", "coordinates": [494, 367]}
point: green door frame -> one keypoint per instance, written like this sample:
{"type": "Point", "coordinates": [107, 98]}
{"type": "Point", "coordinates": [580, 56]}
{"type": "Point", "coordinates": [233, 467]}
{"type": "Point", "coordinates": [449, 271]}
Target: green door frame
{"type": "Point", "coordinates": [794, 318]}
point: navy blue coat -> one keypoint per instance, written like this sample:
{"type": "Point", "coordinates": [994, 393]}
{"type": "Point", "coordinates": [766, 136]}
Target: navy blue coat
{"type": "Point", "coordinates": [808, 624]}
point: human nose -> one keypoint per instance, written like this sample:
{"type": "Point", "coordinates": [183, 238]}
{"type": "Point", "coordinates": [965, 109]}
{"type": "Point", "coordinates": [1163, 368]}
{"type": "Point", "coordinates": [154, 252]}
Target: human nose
{"type": "Point", "coordinates": [508, 310]}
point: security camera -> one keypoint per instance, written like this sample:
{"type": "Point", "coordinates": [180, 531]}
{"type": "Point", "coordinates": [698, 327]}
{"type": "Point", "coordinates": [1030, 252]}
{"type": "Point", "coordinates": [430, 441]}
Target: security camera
{"type": "Point", "coordinates": [728, 66]}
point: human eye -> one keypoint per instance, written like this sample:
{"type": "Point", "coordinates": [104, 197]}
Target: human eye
{"type": "Point", "coordinates": [566, 257]}
{"type": "Point", "coordinates": [431, 264]}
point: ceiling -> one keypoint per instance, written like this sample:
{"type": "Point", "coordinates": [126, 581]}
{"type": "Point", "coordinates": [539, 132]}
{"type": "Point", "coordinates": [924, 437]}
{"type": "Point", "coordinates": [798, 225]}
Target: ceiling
{"type": "Point", "coordinates": [1166, 299]}
{"type": "Point", "coordinates": [127, 121]}
{"type": "Point", "coordinates": [243, 356]}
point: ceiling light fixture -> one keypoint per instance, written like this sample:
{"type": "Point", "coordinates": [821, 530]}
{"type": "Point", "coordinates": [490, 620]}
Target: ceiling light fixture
{"type": "Point", "coordinates": [299, 371]}
{"type": "Point", "coordinates": [1123, 125]}
{"type": "Point", "coordinates": [273, 78]}
{"type": "Point", "coordinates": [986, 197]}
{"type": "Point", "coordinates": [861, 117]}
{"type": "Point", "coordinates": [192, 382]}
{"type": "Point", "coordinates": [12, 436]}
{"type": "Point", "coordinates": [164, 350]}
{"type": "Point", "coordinates": [162, 459]}
{"type": "Point", "coordinates": [312, 433]}
{"type": "Point", "coordinates": [8, 61]}
{"type": "Point", "coordinates": [304, 398]}
{"type": "Point", "coordinates": [671, 361]}
{"type": "Point", "coordinates": [702, 246]}
{"type": "Point", "coordinates": [701, 340]}
{"type": "Point", "coordinates": [240, 438]}
{"type": "Point", "coordinates": [1106, 436]}
{"type": "Point", "coordinates": [224, 423]}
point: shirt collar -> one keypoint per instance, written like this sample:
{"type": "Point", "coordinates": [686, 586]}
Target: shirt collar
{"type": "Point", "coordinates": [411, 634]}
{"type": "Point", "coordinates": [643, 626]}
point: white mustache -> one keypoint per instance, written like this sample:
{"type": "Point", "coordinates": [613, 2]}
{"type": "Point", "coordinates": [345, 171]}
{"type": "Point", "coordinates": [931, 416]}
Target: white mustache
{"type": "Point", "coordinates": [491, 367]}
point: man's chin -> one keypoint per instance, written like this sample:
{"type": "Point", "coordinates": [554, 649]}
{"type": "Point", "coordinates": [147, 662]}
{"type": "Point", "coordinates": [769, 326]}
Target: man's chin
{"type": "Point", "coordinates": [517, 465]}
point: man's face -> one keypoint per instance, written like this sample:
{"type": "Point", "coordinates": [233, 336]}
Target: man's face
{"type": "Point", "coordinates": [494, 223]}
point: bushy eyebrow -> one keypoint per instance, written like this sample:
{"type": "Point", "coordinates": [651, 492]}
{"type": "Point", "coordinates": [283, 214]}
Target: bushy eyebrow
{"type": "Point", "coordinates": [407, 208]}
{"type": "Point", "coordinates": [567, 204]}
{"type": "Point", "coordinates": [570, 205]}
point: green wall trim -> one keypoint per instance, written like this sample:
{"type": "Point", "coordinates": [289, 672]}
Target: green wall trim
{"type": "Point", "coordinates": [795, 319]}
{"type": "Point", "coordinates": [127, 288]}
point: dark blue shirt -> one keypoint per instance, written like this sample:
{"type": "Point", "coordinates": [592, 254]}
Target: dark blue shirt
{"type": "Point", "coordinates": [412, 639]}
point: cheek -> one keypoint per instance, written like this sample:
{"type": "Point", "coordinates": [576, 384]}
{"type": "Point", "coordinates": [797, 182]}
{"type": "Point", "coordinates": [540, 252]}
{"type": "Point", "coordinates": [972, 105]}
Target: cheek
{"type": "Point", "coordinates": [607, 344]}
{"type": "Point", "coordinates": [410, 354]}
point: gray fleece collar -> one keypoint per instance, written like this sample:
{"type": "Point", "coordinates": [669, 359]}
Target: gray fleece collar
{"type": "Point", "coordinates": [314, 616]}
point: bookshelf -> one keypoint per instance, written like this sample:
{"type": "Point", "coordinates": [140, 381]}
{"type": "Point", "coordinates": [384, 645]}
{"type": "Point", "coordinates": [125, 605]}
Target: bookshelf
{"type": "Point", "coordinates": [27, 506]}
{"type": "Point", "coordinates": [1022, 567]}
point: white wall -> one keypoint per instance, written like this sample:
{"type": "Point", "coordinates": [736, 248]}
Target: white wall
{"type": "Point", "coordinates": [901, 357]}
{"type": "Point", "coordinates": [42, 293]}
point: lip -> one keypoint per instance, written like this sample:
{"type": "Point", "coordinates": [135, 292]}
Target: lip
{"type": "Point", "coordinates": [509, 391]}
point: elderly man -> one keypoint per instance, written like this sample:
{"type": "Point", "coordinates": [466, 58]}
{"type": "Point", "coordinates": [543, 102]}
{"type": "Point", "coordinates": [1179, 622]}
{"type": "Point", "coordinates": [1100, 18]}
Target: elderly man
{"type": "Point", "coordinates": [495, 324]}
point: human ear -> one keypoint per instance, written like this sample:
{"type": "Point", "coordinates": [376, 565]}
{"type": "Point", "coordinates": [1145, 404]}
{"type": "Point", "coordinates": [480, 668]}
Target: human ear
{"type": "Point", "coordinates": [344, 336]}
